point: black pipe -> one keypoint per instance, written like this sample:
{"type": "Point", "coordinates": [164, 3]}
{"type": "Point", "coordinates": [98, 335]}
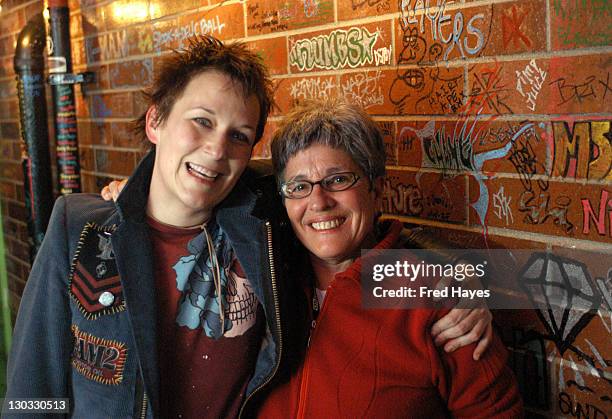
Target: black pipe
{"type": "Point", "coordinates": [29, 67]}
{"type": "Point", "coordinates": [60, 61]}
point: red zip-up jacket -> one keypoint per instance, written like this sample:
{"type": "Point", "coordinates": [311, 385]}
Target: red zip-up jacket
{"type": "Point", "coordinates": [383, 363]}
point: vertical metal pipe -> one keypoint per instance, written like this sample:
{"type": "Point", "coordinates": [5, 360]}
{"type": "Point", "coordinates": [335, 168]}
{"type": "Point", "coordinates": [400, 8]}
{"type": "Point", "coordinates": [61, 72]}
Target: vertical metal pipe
{"type": "Point", "coordinates": [29, 67]}
{"type": "Point", "coordinates": [60, 61]}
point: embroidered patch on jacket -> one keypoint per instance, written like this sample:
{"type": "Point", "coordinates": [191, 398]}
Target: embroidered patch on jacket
{"type": "Point", "coordinates": [98, 359]}
{"type": "Point", "coordinates": [95, 285]}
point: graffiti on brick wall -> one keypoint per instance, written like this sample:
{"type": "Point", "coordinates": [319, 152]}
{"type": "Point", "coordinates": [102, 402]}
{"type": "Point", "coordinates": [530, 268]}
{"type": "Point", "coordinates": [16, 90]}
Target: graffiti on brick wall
{"type": "Point", "coordinates": [501, 206]}
{"type": "Point", "coordinates": [536, 202]}
{"type": "Point", "coordinates": [364, 89]}
{"type": "Point", "coordinates": [598, 215]}
{"type": "Point", "coordinates": [382, 6]}
{"type": "Point", "coordinates": [177, 36]}
{"type": "Point", "coordinates": [339, 49]}
{"type": "Point", "coordinates": [131, 73]}
{"type": "Point", "coordinates": [512, 21]}
{"type": "Point", "coordinates": [417, 200]}
{"type": "Point", "coordinates": [287, 15]}
{"type": "Point", "coordinates": [489, 91]}
{"type": "Point", "coordinates": [312, 88]}
{"type": "Point", "coordinates": [431, 34]}
{"type": "Point", "coordinates": [583, 150]}
{"type": "Point", "coordinates": [107, 46]}
{"type": "Point", "coordinates": [529, 82]}
{"type": "Point", "coordinates": [592, 87]}
{"type": "Point", "coordinates": [570, 17]}
{"type": "Point", "coordinates": [455, 35]}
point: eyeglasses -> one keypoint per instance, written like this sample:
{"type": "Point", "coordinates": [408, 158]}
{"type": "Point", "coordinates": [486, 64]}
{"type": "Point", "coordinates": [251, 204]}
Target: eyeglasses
{"type": "Point", "coordinates": [297, 189]}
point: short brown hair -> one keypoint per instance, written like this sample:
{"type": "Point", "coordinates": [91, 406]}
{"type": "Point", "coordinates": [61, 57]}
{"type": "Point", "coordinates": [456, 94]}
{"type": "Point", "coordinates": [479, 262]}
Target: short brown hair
{"type": "Point", "coordinates": [202, 54]}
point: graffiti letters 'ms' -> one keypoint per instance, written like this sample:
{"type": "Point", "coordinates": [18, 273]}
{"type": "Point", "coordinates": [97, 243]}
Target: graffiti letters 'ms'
{"type": "Point", "coordinates": [337, 49]}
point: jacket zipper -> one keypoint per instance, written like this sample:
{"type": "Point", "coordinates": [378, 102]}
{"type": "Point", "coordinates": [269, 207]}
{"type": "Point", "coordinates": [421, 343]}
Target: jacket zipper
{"type": "Point", "coordinates": [143, 411]}
{"type": "Point", "coordinates": [277, 311]}
{"type": "Point", "coordinates": [301, 412]}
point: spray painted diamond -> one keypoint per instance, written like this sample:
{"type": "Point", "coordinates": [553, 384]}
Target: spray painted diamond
{"type": "Point", "coordinates": [563, 293]}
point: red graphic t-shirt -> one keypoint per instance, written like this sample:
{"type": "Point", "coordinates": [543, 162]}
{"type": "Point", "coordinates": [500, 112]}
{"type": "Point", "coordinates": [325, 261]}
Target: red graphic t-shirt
{"type": "Point", "coordinates": [200, 376]}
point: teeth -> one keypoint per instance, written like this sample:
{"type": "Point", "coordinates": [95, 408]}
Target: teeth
{"type": "Point", "coordinates": [327, 225]}
{"type": "Point", "coordinates": [201, 170]}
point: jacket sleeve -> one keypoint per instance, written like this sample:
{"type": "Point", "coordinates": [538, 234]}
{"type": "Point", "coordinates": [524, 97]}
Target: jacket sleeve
{"type": "Point", "coordinates": [485, 388]}
{"type": "Point", "coordinates": [39, 360]}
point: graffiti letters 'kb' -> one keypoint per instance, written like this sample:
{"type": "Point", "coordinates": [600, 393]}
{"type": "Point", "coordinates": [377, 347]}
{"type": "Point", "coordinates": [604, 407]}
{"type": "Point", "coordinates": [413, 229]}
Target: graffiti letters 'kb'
{"type": "Point", "coordinates": [334, 50]}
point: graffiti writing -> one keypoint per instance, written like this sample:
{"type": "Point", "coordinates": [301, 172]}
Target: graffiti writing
{"type": "Point", "coordinates": [381, 5]}
{"type": "Point", "coordinates": [364, 89]}
{"type": "Point", "coordinates": [511, 27]}
{"type": "Point", "coordinates": [584, 150]}
{"type": "Point", "coordinates": [204, 26]}
{"type": "Point", "coordinates": [466, 39]}
{"type": "Point", "coordinates": [501, 205]}
{"type": "Point", "coordinates": [529, 82]}
{"type": "Point", "coordinates": [597, 217]}
{"type": "Point", "coordinates": [338, 49]}
{"type": "Point", "coordinates": [410, 200]}
{"type": "Point", "coordinates": [568, 406]}
{"type": "Point", "coordinates": [578, 92]}
{"type": "Point", "coordinates": [489, 91]}
{"type": "Point", "coordinates": [315, 88]}
{"type": "Point", "coordinates": [107, 46]}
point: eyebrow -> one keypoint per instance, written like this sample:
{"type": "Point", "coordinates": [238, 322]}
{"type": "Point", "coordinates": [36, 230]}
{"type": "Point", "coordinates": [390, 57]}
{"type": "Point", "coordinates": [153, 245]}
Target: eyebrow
{"type": "Point", "coordinates": [328, 171]}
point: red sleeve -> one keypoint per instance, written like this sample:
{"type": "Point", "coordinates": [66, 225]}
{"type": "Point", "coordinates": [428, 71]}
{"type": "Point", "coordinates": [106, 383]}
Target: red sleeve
{"type": "Point", "coordinates": [477, 389]}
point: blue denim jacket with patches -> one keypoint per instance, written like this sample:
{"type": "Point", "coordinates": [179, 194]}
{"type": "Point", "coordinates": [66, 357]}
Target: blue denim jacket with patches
{"type": "Point", "coordinates": [86, 324]}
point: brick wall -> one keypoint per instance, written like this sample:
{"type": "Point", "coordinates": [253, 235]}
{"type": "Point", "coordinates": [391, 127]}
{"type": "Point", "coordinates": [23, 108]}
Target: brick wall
{"type": "Point", "coordinates": [497, 119]}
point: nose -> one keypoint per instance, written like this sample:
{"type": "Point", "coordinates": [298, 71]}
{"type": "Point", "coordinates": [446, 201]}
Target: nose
{"type": "Point", "coordinates": [215, 145]}
{"type": "Point", "coordinates": [320, 199]}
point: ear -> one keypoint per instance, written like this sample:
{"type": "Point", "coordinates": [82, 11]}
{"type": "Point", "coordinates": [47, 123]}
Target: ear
{"type": "Point", "coordinates": [152, 126]}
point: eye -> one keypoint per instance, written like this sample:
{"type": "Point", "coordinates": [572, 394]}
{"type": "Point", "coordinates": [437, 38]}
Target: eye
{"type": "Point", "coordinates": [338, 179]}
{"type": "Point", "coordinates": [204, 122]}
{"type": "Point", "coordinates": [241, 137]}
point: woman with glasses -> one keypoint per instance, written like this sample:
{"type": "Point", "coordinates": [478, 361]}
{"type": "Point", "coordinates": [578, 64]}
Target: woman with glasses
{"type": "Point", "coordinates": [330, 160]}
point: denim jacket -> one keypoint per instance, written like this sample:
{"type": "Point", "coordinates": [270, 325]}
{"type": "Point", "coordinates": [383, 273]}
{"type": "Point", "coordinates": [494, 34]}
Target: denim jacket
{"type": "Point", "coordinates": [86, 324]}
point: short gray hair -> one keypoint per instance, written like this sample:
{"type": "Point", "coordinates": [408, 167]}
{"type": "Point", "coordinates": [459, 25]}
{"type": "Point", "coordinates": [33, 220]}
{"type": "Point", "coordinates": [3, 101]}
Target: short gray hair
{"type": "Point", "coordinates": [334, 123]}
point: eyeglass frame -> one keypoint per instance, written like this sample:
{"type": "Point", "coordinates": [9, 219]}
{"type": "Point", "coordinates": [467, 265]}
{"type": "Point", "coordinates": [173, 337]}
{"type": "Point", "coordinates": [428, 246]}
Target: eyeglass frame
{"type": "Point", "coordinates": [319, 182]}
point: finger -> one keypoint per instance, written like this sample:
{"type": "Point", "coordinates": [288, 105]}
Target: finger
{"type": "Point", "coordinates": [463, 340]}
{"type": "Point", "coordinates": [106, 193]}
{"type": "Point", "coordinates": [484, 343]}
{"type": "Point", "coordinates": [474, 320]}
{"type": "Point", "coordinates": [449, 320]}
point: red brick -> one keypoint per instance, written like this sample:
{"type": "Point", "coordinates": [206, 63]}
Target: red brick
{"type": "Point", "coordinates": [12, 21]}
{"type": "Point", "coordinates": [123, 135]}
{"type": "Point", "coordinates": [273, 52]}
{"type": "Point", "coordinates": [169, 7]}
{"type": "Point", "coordinates": [389, 130]}
{"type": "Point", "coordinates": [120, 13]}
{"type": "Point", "coordinates": [131, 74]}
{"type": "Point", "coordinates": [262, 148]}
{"type": "Point", "coordinates": [426, 195]}
{"type": "Point", "coordinates": [7, 45]}
{"type": "Point", "coordinates": [86, 158]}
{"type": "Point", "coordinates": [11, 170]}
{"type": "Point", "coordinates": [427, 90]}
{"type": "Point", "coordinates": [427, 37]}
{"type": "Point", "coordinates": [107, 46]}
{"type": "Point", "coordinates": [291, 91]}
{"type": "Point", "coordinates": [95, 133]}
{"type": "Point", "coordinates": [269, 16]}
{"type": "Point", "coordinates": [581, 84]}
{"type": "Point", "coordinates": [115, 162]}
{"type": "Point", "coordinates": [76, 25]}
{"type": "Point", "coordinates": [517, 27]}
{"type": "Point", "coordinates": [8, 89]}
{"type": "Point", "coordinates": [581, 23]}
{"type": "Point", "coordinates": [547, 207]}
{"type": "Point", "coordinates": [117, 105]}
{"type": "Point", "coordinates": [33, 9]}
{"type": "Point", "coordinates": [140, 39]}
{"type": "Point", "coordinates": [582, 149]}
{"type": "Point", "coordinates": [17, 211]}
{"type": "Point", "coordinates": [353, 9]}
{"type": "Point", "coordinates": [225, 22]}
{"type": "Point", "coordinates": [338, 52]}
{"type": "Point", "coordinates": [369, 90]}
{"type": "Point", "coordinates": [7, 190]}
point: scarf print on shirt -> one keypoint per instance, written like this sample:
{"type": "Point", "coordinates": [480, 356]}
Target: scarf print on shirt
{"type": "Point", "coordinates": [199, 304]}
